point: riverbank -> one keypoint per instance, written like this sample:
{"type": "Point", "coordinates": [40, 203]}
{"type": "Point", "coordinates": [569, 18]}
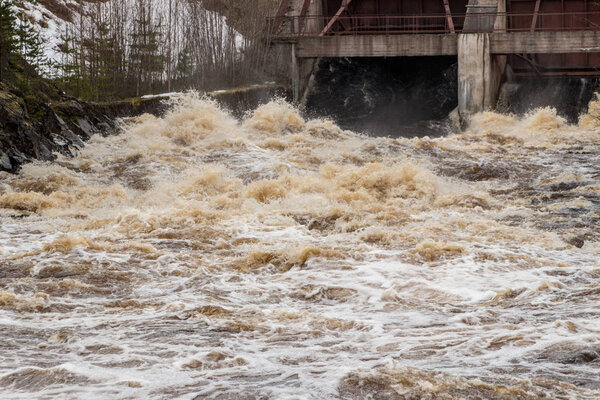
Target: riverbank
{"type": "Point", "coordinates": [41, 122]}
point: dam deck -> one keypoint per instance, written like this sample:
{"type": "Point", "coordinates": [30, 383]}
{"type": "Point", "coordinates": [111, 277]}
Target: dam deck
{"type": "Point", "coordinates": [534, 37]}
{"type": "Point", "coordinates": [547, 42]}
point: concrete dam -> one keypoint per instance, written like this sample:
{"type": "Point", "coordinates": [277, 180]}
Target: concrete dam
{"type": "Point", "coordinates": [490, 39]}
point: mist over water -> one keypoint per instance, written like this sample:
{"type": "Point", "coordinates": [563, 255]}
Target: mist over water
{"type": "Point", "coordinates": [569, 96]}
{"type": "Point", "coordinates": [202, 256]}
{"type": "Point", "coordinates": [397, 96]}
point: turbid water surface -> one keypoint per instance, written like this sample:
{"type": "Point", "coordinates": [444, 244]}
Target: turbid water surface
{"type": "Point", "coordinates": [200, 256]}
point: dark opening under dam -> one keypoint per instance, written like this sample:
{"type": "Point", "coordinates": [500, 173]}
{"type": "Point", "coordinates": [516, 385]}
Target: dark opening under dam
{"type": "Point", "coordinates": [390, 96]}
{"type": "Point", "coordinates": [413, 96]}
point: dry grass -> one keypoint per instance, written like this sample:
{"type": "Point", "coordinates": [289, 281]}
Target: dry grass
{"type": "Point", "coordinates": [59, 9]}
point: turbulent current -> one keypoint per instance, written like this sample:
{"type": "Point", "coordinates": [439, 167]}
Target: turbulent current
{"type": "Point", "coordinates": [197, 256]}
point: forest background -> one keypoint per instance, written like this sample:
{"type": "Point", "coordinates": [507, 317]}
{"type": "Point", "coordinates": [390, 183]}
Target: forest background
{"type": "Point", "coordinates": [115, 49]}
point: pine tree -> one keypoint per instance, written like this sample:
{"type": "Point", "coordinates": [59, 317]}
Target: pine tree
{"type": "Point", "coordinates": [110, 57]}
{"type": "Point", "coordinates": [8, 42]}
{"type": "Point", "coordinates": [184, 64]}
{"type": "Point", "coordinates": [69, 72]}
{"type": "Point", "coordinates": [30, 46]}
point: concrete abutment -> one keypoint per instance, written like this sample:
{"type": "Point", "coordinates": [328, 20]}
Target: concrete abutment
{"type": "Point", "coordinates": [302, 71]}
{"type": "Point", "coordinates": [479, 74]}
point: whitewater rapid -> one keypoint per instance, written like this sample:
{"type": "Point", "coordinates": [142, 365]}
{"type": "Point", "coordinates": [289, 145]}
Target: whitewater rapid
{"type": "Point", "coordinates": [200, 256]}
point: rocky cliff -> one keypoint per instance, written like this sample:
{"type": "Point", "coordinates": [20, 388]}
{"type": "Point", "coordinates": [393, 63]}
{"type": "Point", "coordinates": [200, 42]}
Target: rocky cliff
{"type": "Point", "coordinates": [39, 121]}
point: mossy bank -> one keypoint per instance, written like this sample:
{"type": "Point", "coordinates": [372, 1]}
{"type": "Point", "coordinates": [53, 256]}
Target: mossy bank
{"type": "Point", "coordinates": [38, 121]}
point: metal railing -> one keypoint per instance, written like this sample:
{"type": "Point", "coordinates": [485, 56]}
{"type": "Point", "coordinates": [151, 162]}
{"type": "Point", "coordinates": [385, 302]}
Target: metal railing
{"type": "Point", "coordinates": [293, 26]}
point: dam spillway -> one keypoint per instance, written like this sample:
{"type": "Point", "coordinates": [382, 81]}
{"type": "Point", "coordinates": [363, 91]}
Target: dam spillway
{"type": "Point", "coordinates": [488, 37]}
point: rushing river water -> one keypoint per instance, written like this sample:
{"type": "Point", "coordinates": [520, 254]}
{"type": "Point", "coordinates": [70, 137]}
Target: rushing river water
{"type": "Point", "coordinates": [197, 256]}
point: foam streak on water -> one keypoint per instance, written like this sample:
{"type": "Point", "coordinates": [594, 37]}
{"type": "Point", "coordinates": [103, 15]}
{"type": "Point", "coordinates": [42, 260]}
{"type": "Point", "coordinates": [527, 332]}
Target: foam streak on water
{"type": "Point", "coordinates": [197, 256]}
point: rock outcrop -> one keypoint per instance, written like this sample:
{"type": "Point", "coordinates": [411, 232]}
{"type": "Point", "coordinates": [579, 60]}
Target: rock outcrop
{"type": "Point", "coordinates": [43, 122]}
{"type": "Point", "coordinates": [36, 126]}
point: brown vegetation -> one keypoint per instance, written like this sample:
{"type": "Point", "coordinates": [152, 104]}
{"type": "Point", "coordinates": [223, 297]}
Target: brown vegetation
{"type": "Point", "coordinates": [58, 8]}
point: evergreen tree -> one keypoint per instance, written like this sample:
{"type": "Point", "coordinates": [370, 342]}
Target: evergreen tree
{"type": "Point", "coordinates": [8, 42]}
{"type": "Point", "coordinates": [69, 73]}
{"type": "Point", "coordinates": [30, 46]}
{"type": "Point", "coordinates": [184, 64]}
{"type": "Point", "coordinates": [111, 58]}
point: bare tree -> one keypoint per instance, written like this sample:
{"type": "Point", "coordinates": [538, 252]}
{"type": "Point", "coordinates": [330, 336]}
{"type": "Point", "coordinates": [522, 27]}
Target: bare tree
{"type": "Point", "coordinates": [134, 47]}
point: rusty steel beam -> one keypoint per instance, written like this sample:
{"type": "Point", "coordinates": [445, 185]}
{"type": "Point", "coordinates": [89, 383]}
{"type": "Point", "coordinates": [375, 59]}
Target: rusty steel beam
{"type": "Point", "coordinates": [534, 19]}
{"type": "Point", "coordinates": [536, 12]}
{"type": "Point", "coordinates": [344, 24]}
{"type": "Point", "coordinates": [534, 66]}
{"type": "Point", "coordinates": [449, 16]}
{"type": "Point", "coordinates": [337, 15]}
{"type": "Point", "coordinates": [283, 6]}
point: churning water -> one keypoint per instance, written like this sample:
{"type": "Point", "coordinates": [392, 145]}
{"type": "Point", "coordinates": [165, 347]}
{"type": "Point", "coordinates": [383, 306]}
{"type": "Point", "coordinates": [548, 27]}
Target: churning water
{"type": "Point", "coordinates": [197, 256]}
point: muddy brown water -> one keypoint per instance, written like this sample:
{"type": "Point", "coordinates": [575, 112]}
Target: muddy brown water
{"type": "Point", "coordinates": [199, 256]}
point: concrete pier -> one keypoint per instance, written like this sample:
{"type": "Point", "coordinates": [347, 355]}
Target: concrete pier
{"type": "Point", "coordinates": [479, 71]}
{"type": "Point", "coordinates": [302, 73]}
{"type": "Point", "coordinates": [475, 91]}
{"type": "Point", "coordinates": [301, 67]}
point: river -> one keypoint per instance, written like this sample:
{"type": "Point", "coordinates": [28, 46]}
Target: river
{"type": "Point", "coordinates": [198, 256]}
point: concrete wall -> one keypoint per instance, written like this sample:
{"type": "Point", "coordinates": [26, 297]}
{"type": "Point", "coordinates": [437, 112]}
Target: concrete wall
{"type": "Point", "coordinates": [285, 65]}
{"type": "Point", "coordinates": [302, 71]}
{"type": "Point", "coordinates": [316, 8]}
{"type": "Point", "coordinates": [474, 20]}
{"type": "Point", "coordinates": [378, 46]}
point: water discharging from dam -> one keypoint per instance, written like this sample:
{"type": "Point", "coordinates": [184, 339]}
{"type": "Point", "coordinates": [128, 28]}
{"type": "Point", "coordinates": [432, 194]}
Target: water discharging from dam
{"type": "Point", "coordinates": [397, 96]}
{"type": "Point", "coordinates": [199, 256]}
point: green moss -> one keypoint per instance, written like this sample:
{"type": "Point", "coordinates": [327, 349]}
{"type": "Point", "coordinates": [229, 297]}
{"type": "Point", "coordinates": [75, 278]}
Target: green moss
{"type": "Point", "coordinates": [71, 118]}
{"type": "Point", "coordinates": [6, 95]}
{"type": "Point", "coordinates": [138, 102]}
{"type": "Point", "coordinates": [11, 103]}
